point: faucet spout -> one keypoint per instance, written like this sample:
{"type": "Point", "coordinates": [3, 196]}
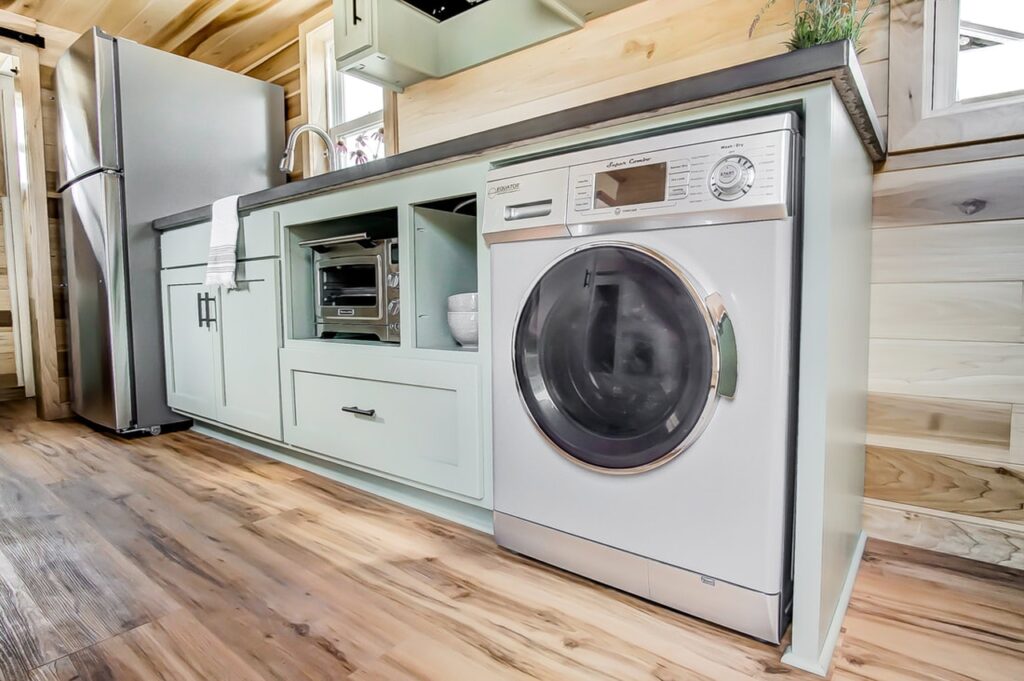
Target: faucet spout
{"type": "Point", "coordinates": [288, 158]}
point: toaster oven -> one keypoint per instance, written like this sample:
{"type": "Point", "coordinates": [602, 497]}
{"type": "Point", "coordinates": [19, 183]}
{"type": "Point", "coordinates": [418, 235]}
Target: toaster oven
{"type": "Point", "coordinates": [357, 286]}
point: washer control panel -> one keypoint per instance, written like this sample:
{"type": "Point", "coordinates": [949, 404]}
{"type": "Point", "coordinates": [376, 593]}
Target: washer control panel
{"type": "Point", "coordinates": [730, 172]}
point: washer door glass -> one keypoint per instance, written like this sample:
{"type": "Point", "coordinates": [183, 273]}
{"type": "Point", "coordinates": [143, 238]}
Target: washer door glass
{"type": "Point", "coordinates": [614, 359]}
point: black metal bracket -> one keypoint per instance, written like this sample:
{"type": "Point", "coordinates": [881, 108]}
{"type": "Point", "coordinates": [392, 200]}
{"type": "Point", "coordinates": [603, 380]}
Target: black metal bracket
{"type": "Point", "coordinates": [36, 40]}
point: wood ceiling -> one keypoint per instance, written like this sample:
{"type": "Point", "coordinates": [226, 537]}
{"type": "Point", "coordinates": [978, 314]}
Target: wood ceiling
{"type": "Point", "coordinates": [233, 34]}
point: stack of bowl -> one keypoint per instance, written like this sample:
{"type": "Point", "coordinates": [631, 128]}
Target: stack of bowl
{"type": "Point", "coordinates": [463, 311]}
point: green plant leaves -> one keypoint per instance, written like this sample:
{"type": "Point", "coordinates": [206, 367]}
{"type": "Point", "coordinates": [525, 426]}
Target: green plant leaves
{"type": "Point", "coordinates": [816, 22]}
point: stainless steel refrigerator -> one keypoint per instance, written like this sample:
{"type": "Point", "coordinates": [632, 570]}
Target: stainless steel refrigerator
{"type": "Point", "coordinates": [143, 134]}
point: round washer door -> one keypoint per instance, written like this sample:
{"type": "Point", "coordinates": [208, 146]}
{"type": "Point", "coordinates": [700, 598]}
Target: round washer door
{"type": "Point", "coordinates": [616, 358]}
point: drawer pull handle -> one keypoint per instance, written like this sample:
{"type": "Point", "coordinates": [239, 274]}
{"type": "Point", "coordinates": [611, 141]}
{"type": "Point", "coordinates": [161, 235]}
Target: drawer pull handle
{"type": "Point", "coordinates": [361, 412]}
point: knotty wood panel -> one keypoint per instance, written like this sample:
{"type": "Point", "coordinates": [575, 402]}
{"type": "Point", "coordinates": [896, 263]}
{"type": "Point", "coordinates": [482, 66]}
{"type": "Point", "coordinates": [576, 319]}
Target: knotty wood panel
{"type": "Point", "coordinates": [964, 192]}
{"type": "Point", "coordinates": [945, 484]}
{"type": "Point", "coordinates": [928, 424]}
{"type": "Point", "coordinates": [647, 44]}
{"type": "Point", "coordinates": [958, 370]}
{"type": "Point", "coordinates": [336, 583]}
{"type": "Point", "coordinates": [956, 534]}
{"type": "Point", "coordinates": [980, 251]}
{"type": "Point", "coordinates": [983, 311]}
{"type": "Point", "coordinates": [1017, 434]}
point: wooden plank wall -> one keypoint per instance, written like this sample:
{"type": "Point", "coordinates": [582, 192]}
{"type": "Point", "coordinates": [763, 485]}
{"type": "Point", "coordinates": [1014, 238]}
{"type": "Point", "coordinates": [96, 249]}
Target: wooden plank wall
{"type": "Point", "coordinates": [654, 42]}
{"type": "Point", "coordinates": [945, 455]}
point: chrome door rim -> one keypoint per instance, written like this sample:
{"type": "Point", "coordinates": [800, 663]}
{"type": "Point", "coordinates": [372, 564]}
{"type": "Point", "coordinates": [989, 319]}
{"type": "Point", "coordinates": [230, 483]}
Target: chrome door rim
{"type": "Point", "coordinates": [696, 294]}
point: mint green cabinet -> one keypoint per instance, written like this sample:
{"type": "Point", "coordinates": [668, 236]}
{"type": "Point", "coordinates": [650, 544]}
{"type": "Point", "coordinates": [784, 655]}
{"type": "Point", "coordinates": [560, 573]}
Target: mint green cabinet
{"type": "Point", "coordinates": [246, 354]}
{"type": "Point", "coordinates": [353, 26]}
{"type": "Point", "coordinates": [221, 347]}
{"type": "Point", "coordinates": [188, 341]}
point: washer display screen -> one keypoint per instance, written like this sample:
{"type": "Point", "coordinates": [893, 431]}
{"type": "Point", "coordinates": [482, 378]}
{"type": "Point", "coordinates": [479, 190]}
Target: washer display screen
{"type": "Point", "coordinates": [614, 358]}
{"type": "Point", "coordinates": [630, 186]}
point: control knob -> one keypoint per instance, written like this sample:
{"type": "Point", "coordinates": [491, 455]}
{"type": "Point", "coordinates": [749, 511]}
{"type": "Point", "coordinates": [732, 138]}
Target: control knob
{"type": "Point", "coordinates": [732, 177]}
{"type": "Point", "coordinates": [393, 307]}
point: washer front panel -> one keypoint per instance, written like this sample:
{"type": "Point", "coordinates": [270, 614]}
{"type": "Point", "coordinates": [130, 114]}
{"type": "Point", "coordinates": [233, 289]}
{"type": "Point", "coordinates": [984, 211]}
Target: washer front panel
{"type": "Point", "coordinates": [615, 357]}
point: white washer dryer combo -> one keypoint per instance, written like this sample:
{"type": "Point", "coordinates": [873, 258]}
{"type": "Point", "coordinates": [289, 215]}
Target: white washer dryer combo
{"type": "Point", "coordinates": [644, 364]}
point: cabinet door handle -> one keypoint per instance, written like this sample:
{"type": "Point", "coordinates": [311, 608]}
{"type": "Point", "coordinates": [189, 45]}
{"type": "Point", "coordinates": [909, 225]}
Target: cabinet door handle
{"type": "Point", "coordinates": [199, 309]}
{"type": "Point", "coordinates": [210, 319]}
{"type": "Point", "coordinates": [355, 13]}
{"type": "Point", "coordinates": [360, 412]}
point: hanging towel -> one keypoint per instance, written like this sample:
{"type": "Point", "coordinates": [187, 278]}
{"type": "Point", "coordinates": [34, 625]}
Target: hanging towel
{"type": "Point", "coordinates": [220, 265]}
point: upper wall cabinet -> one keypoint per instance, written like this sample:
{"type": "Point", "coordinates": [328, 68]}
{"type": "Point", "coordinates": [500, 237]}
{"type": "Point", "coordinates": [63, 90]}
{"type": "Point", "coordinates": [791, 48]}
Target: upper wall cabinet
{"type": "Point", "coordinates": [400, 42]}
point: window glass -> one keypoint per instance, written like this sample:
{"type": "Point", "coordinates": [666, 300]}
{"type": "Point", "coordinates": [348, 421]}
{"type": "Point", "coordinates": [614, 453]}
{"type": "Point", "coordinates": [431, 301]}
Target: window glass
{"type": "Point", "coordinates": [990, 48]}
{"type": "Point", "coordinates": [355, 114]}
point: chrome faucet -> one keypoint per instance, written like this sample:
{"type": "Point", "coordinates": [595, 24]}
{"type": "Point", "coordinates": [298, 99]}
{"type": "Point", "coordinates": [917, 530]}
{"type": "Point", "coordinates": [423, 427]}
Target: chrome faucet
{"type": "Point", "coordinates": [288, 159]}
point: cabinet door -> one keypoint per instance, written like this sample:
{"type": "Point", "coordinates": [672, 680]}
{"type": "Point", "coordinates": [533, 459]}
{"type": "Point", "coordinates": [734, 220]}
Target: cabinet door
{"type": "Point", "coordinates": [248, 339]}
{"type": "Point", "coordinates": [188, 341]}
{"type": "Point", "coordinates": [353, 26]}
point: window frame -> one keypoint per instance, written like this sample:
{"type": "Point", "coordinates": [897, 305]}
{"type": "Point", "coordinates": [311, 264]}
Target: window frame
{"type": "Point", "coordinates": [319, 82]}
{"type": "Point", "coordinates": [923, 111]}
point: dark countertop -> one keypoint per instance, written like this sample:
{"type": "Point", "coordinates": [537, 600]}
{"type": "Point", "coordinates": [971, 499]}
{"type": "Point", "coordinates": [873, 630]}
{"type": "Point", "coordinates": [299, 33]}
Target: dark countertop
{"type": "Point", "coordinates": [836, 62]}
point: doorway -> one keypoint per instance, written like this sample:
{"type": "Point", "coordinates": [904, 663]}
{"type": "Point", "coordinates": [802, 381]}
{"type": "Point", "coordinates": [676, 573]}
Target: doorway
{"type": "Point", "coordinates": [17, 379]}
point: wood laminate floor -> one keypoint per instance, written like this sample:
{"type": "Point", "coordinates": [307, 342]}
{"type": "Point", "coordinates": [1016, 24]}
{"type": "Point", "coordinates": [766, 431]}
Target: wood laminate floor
{"type": "Point", "coordinates": [179, 557]}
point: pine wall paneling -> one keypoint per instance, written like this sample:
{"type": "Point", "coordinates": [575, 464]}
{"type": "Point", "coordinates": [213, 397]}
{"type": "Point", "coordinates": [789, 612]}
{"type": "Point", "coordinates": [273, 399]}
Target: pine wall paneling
{"type": "Point", "coordinates": [647, 44]}
{"type": "Point", "coordinates": [945, 458]}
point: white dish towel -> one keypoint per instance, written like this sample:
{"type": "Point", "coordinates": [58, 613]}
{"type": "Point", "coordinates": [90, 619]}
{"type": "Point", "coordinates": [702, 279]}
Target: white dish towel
{"type": "Point", "coordinates": [221, 263]}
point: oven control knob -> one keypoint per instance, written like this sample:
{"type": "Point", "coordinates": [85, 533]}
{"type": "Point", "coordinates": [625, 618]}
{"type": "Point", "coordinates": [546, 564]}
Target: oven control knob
{"type": "Point", "coordinates": [732, 177]}
{"type": "Point", "coordinates": [393, 307]}
{"type": "Point", "coordinates": [393, 280]}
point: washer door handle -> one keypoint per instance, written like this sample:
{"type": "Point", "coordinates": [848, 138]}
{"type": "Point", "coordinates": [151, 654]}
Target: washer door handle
{"type": "Point", "coordinates": [727, 359]}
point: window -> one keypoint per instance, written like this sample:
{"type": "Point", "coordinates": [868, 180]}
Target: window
{"type": "Point", "coordinates": [954, 72]}
{"type": "Point", "coordinates": [355, 112]}
{"type": "Point", "coordinates": [979, 45]}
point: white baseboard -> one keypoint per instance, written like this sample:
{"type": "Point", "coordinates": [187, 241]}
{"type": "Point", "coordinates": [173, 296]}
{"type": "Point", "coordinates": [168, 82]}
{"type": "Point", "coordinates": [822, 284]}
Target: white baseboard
{"type": "Point", "coordinates": [820, 666]}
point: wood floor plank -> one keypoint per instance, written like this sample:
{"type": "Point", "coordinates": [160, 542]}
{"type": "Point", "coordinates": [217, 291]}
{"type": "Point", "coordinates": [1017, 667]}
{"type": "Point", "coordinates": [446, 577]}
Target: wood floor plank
{"type": "Point", "coordinates": [276, 574]}
{"type": "Point", "coordinates": [225, 591]}
{"type": "Point", "coordinates": [27, 637]}
{"type": "Point", "coordinates": [177, 647]}
{"type": "Point", "coordinates": [950, 619]}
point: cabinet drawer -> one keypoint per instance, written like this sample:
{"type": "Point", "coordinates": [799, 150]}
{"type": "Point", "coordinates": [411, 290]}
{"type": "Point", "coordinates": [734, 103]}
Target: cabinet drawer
{"type": "Point", "coordinates": [424, 433]}
{"type": "Point", "coordinates": [257, 238]}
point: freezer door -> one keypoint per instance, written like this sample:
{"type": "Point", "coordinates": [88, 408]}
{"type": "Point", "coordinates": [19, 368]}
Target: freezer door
{"type": "Point", "coordinates": [87, 107]}
{"type": "Point", "coordinates": [98, 335]}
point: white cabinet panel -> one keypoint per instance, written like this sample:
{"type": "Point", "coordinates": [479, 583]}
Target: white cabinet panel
{"type": "Point", "coordinates": [248, 340]}
{"type": "Point", "coordinates": [188, 341]}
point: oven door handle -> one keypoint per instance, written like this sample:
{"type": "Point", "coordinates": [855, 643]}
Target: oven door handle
{"type": "Point", "coordinates": [334, 240]}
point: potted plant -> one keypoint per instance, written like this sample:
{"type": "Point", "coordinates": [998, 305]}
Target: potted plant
{"type": "Point", "coordinates": [816, 22]}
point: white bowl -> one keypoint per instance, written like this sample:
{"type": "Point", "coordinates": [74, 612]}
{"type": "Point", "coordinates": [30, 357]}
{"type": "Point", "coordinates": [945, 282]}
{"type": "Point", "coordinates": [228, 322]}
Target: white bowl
{"type": "Point", "coordinates": [464, 302]}
{"type": "Point", "coordinates": [465, 328]}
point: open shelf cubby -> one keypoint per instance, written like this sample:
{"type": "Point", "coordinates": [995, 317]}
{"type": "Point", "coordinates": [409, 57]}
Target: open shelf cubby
{"type": "Point", "coordinates": [380, 224]}
{"type": "Point", "coordinates": [445, 253]}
